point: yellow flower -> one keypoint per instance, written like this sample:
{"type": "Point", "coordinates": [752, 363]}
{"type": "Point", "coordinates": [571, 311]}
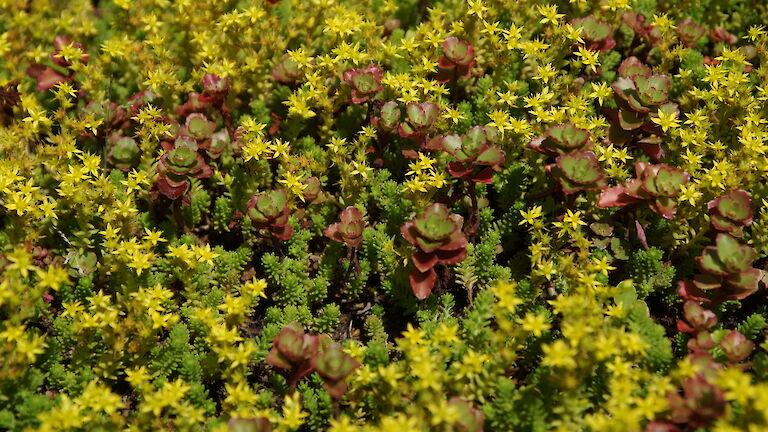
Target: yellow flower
{"type": "Point", "coordinates": [205, 254]}
{"type": "Point", "coordinates": [534, 323]}
{"type": "Point", "coordinates": [293, 184]}
{"type": "Point", "coordinates": [53, 277]}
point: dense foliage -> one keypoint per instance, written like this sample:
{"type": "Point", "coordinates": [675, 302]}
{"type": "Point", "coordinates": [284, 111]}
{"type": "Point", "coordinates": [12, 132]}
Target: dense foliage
{"type": "Point", "coordinates": [383, 215]}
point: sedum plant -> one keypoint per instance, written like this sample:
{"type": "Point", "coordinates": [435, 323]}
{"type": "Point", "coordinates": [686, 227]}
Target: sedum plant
{"type": "Point", "coordinates": [657, 186]}
{"type": "Point", "coordinates": [269, 211]}
{"type": "Point", "coordinates": [438, 236]}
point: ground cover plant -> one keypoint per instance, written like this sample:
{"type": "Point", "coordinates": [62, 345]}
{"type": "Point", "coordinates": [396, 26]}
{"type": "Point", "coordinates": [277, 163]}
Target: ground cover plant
{"type": "Point", "coordinates": [380, 215]}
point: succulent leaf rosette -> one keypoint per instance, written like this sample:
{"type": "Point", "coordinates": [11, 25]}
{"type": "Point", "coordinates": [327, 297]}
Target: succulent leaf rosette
{"type": "Point", "coordinates": [269, 211]}
{"type": "Point", "coordinates": [471, 418]}
{"type": "Point", "coordinates": [476, 157]}
{"type": "Point", "coordinates": [655, 185]}
{"type": "Point", "coordinates": [457, 60]}
{"type": "Point", "coordinates": [725, 270]}
{"type": "Point", "coordinates": [287, 71]}
{"type": "Point", "coordinates": [365, 83]}
{"type": "Point", "coordinates": [732, 212]}
{"type": "Point", "coordinates": [419, 119]}
{"type": "Point", "coordinates": [215, 87]}
{"type": "Point", "coordinates": [561, 139]}
{"type": "Point", "coordinates": [689, 32]}
{"type": "Point", "coordinates": [597, 34]}
{"type": "Point", "coordinates": [577, 171]}
{"type": "Point", "coordinates": [199, 127]}
{"type": "Point", "coordinates": [350, 229]}
{"type": "Point", "coordinates": [123, 152]}
{"type": "Point", "coordinates": [639, 95]}
{"type": "Point", "coordinates": [334, 366]}
{"type": "Point", "coordinates": [439, 238]}
{"type": "Point", "coordinates": [388, 120]}
{"type": "Point", "coordinates": [180, 162]}
{"type": "Point", "coordinates": [292, 350]}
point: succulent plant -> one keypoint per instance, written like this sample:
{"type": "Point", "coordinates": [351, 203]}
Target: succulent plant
{"type": "Point", "coordinates": [364, 82]}
{"type": "Point", "coordinates": [638, 90]}
{"type": "Point", "coordinates": [656, 185]}
{"type": "Point", "coordinates": [697, 318]}
{"type": "Point", "coordinates": [48, 77]}
{"type": "Point", "coordinates": [701, 402]}
{"type": "Point", "coordinates": [257, 424]}
{"type": "Point", "coordinates": [218, 143]}
{"type": "Point", "coordinates": [196, 103]}
{"type": "Point", "coordinates": [418, 119]}
{"type": "Point", "coordinates": [639, 95]}
{"type": "Point", "coordinates": [214, 86]}
{"type": "Point", "coordinates": [293, 350]}
{"type": "Point", "coordinates": [476, 157]}
{"type": "Point", "coordinates": [636, 22]}
{"type": "Point", "coordinates": [123, 152]}
{"type": "Point", "coordinates": [577, 171]}
{"type": "Point", "coordinates": [727, 268]}
{"type": "Point", "coordinates": [736, 346]}
{"type": "Point", "coordinates": [61, 41]}
{"type": "Point", "coordinates": [350, 229]}
{"type": "Point", "coordinates": [313, 193]}
{"type": "Point", "coordinates": [269, 211]}
{"type": "Point", "coordinates": [333, 365]}
{"type": "Point", "coordinates": [731, 212]}
{"type": "Point", "coordinates": [287, 71]}
{"type": "Point", "coordinates": [438, 236]}
{"type": "Point", "coordinates": [690, 32]}
{"type": "Point", "coordinates": [597, 34]}
{"type": "Point", "coordinates": [180, 162]}
{"type": "Point", "coordinates": [561, 139]}
{"type": "Point", "coordinates": [720, 34]}
{"type": "Point", "coordinates": [471, 419]}
{"type": "Point", "coordinates": [457, 60]}
{"type": "Point", "coordinates": [388, 119]}
{"type": "Point", "coordinates": [199, 127]}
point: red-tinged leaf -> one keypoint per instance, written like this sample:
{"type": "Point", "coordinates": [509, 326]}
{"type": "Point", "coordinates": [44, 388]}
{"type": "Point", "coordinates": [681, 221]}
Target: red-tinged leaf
{"type": "Point", "coordinates": [735, 256]}
{"type": "Point", "coordinates": [736, 346]}
{"type": "Point", "coordinates": [459, 169]}
{"type": "Point", "coordinates": [630, 120]}
{"type": "Point", "coordinates": [485, 176]}
{"type": "Point", "coordinates": [683, 327]}
{"type": "Point", "coordinates": [665, 207]}
{"type": "Point", "coordinates": [332, 232]}
{"type": "Point", "coordinates": [615, 197]}
{"type": "Point", "coordinates": [284, 232]}
{"type": "Point", "coordinates": [451, 256]}
{"type": "Point", "coordinates": [736, 206]}
{"type": "Point", "coordinates": [745, 281]}
{"type": "Point", "coordinates": [633, 66]}
{"type": "Point", "coordinates": [709, 262]}
{"type": "Point", "coordinates": [689, 291]}
{"type": "Point", "coordinates": [274, 358]}
{"type": "Point", "coordinates": [335, 388]}
{"type": "Point", "coordinates": [726, 225]}
{"type": "Point", "coordinates": [641, 234]}
{"type": "Point", "coordinates": [424, 261]}
{"type": "Point", "coordinates": [652, 148]}
{"type": "Point", "coordinates": [259, 424]}
{"type": "Point", "coordinates": [46, 77]}
{"type": "Point", "coordinates": [699, 317]}
{"type": "Point", "coordinates": [707, 281]}
{"type": "Point", "coordinates": [422, 282]}
{"type": "Point", "coordinates": [490, 156]}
